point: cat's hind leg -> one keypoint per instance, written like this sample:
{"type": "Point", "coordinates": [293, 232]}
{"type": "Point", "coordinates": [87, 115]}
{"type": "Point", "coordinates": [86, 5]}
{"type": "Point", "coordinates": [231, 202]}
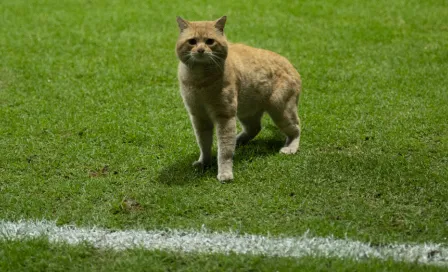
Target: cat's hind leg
{"type": "Point", "coordinates": [251, 127]}
{"type": "Point", "coordinates": [203, 129]}
{"type": "Point", "coordinates": [287, 120]}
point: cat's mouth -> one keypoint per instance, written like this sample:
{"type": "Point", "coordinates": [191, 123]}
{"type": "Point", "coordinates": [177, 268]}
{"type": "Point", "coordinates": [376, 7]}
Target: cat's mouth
{"type": "Point", "coordinates": [205, 58]}
{"type": "Point", "coordinates": [201, 57]}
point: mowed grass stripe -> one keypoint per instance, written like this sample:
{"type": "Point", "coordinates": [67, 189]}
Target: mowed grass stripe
{"type": "Point", "coordinates": [208, 242]}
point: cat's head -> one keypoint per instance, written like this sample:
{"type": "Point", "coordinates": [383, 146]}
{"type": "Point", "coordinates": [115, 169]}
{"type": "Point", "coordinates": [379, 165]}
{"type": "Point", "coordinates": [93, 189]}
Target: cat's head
{"type": "Point", "coordinates": [202, 42]}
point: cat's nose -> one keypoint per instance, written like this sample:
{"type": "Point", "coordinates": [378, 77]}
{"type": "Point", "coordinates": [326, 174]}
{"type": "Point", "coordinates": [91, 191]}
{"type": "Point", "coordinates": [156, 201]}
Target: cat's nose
{"type": "Point", "coordinates": [201, 50]}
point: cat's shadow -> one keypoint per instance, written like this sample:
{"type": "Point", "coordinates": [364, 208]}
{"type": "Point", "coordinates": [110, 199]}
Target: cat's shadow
{"type": "Point", "coordinates": [181, 172]}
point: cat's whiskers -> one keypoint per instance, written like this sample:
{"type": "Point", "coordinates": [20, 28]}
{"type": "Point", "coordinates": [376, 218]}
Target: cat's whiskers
{"type": "Point", "coordinates": [189, 61]}
{"type": "Point", "coordinates": [209, 61]}
{"type": "Point", "coordinates": [217, 61]}
{"type": "Point", "coordinates": [217, 64]}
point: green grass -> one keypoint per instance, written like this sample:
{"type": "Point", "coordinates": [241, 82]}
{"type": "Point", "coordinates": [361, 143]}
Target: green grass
{"type": "Point", "coordinates": [89, 84]}
{"type": "Point", "coordinates": [39, 255]}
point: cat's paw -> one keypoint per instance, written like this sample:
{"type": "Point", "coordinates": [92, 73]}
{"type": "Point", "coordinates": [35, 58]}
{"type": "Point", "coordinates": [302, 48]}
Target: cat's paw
{"type": "Point", "coordinates": [288, 150]}
{"type": "Point", "coordinates": [222, 177]}
{"type": "Point", "coordinates": [242, 139]}
{"type": "Point", "coordinates": [200, 164]}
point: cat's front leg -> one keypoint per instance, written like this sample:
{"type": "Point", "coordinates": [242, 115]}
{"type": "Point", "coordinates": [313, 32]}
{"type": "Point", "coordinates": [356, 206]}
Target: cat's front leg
{"type": "Point", "coordinates": [203, 129]}
{"type": "Point", "coordinates": [226, 132]}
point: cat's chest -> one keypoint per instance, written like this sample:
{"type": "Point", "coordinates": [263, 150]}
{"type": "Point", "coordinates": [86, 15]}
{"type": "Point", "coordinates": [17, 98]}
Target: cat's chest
{"type": "Point", "coordinates": [202, 90]}
{"type": "Point", "coordinates": [200, 83]}
{"type": "Point", "coordinates": [208, 100]}
{"type": "Point", "coordinates": [201, 94]}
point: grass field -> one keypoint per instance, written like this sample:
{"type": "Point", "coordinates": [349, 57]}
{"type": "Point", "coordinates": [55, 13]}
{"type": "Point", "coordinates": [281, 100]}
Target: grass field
{"type": "Point", "coordinates": [93, 130]}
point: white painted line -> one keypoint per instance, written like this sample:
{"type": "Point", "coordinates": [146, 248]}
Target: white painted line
{"type": "Point", "coordinates": [208, 242]}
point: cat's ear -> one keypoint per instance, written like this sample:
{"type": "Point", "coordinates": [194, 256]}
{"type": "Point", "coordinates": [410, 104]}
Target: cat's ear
{"type": "Point", "coordinates": [183, 24]}
{"type": "Point", "coordinates": [220, 23]}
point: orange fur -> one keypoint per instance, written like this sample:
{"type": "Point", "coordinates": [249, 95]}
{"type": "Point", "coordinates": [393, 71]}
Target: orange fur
{"type": "Point", "coordinates": [221, 82]}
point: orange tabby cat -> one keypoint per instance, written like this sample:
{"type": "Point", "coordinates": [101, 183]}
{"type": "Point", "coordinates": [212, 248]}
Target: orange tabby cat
{"type": "Point", "coordinates": [221, 81]}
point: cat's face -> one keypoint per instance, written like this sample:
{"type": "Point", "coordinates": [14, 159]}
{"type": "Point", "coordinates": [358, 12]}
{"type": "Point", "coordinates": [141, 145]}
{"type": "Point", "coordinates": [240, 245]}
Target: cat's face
{"type": "Point", "coordinates": [201, 42]}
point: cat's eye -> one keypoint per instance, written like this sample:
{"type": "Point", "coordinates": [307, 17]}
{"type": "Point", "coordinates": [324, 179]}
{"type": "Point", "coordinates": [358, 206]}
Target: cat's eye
{"type": "Point", "coordinates": [192, 41]}
{"type": "Point", "coordinates": [209, 41]}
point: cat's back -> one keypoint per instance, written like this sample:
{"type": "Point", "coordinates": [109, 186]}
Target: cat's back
{"type": "Point", "coordinates": [246, 51]}
{"type": "Point", "coordinates": [261, 75]}
{"type": "Point", "coordinates": [250, 59]}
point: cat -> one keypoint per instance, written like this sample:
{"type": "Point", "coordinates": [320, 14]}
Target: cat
{"type": "Point", "coordinates": [222, 81]}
